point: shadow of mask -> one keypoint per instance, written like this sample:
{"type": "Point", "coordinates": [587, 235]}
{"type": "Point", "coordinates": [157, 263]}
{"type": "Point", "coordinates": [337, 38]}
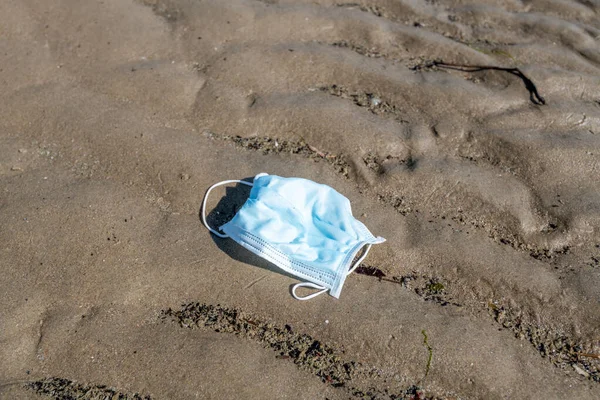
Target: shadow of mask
{"type": "Point", "coordinates": [225, 210]}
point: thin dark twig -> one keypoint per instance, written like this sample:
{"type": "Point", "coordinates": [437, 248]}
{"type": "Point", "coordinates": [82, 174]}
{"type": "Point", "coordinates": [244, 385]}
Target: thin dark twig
{"type": "Point", "coordinates": [588, 355]}
{"type": "Point", "coordinates": [534, 95]}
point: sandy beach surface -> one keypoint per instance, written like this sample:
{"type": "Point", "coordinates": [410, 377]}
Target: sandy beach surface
{"type": "Point", "coordinates": [117, 115]}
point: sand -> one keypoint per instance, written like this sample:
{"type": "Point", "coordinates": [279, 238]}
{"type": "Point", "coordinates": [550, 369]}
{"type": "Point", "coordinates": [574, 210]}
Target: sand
{"type": "Point", "coordinates": [117, 115]}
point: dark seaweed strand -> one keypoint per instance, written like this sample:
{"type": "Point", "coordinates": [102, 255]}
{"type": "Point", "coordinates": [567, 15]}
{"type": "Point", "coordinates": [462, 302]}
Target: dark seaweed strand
{"type": "Point", "coordinates": [429, 350]}
{"type": "Point", "coordinates": [534, 95]}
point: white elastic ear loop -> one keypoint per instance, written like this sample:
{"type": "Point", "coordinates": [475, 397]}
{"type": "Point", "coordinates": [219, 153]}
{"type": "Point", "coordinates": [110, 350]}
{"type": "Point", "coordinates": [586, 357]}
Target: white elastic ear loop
{"type": "Point", "coordinates": [308, 285]}
{"type": "Point", "coordinates": [206, 197]}
{"type": "Point", "coordinates": [357, 263]}
{"type": "Point", "coordinates": [322, 289]}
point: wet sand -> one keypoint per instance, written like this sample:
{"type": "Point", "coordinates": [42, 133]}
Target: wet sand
{"type": "Point", "coordinates": [116, 116]}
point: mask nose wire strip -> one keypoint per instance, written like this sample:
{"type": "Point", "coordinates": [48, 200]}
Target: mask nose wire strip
{"type": "Point", "coordinates": [322, 289]}
{"type": "Point", "coordinates": [221, 235]}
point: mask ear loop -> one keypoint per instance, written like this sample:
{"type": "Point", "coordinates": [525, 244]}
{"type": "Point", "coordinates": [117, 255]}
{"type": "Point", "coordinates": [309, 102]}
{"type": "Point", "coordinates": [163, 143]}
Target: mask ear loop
{"type": "Point", "coordinates": [221, 235]}
{"type": "Point", "coordinates": [321, 288]}
{"type": "Point", "coordinates": [357, 263]}
{"type": "Point", "coordinates": [308, 285]}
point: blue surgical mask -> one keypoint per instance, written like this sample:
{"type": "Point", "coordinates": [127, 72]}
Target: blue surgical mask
{"type": "Point", "coordinates": [305, 228]}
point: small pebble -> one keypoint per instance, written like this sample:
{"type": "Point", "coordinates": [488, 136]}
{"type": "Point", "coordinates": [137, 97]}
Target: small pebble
{"type": "Point", "coordinates": [580, 371]}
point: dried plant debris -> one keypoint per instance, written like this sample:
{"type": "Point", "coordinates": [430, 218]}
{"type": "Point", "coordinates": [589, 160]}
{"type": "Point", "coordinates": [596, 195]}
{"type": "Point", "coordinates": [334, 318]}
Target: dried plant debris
{"type": "Point", "coordinates": [372, 52]}
{"type": "Point", "coordinates": [371, 101]}
{"type": "Point", "coordinates": [411, 393]}
{"type": "Point", "coordinates": [164, 10]}
{"type": "Point", "coordinates": [421, 64]}
{"type": "Point", "coordinates": [558, 348]}
{"type": "Point", "coordinates": [595, 259]}
{"type": "Point", "coordinates": [547, 254]}
{"type": "Point", "coordinates": [370, 271]}
{"type": "Point", "coordinates": [503, 236]}
{"type": "Point", "coordinates": [378, 164]}
{"type": "Point", "coordinates": [268, 145]}
{"type": "Point", "coordinates": [411, 62]}
{"type": "Point", "coordinates": [427, 287]}
{"type": "Point", "coordinates": [373, 163]}
{"type": "Point", "coordinates": [64, 389]}
{"type": "Point", "coordinates": [375, 10]}
{"type": "Point", "coordinates": [307, 353]}
{"type": "Point", "coordinates": [399, 203]}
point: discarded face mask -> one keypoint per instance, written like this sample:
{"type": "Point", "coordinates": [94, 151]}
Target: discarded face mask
{"type": "Point", "coordinates": [305, 228]}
